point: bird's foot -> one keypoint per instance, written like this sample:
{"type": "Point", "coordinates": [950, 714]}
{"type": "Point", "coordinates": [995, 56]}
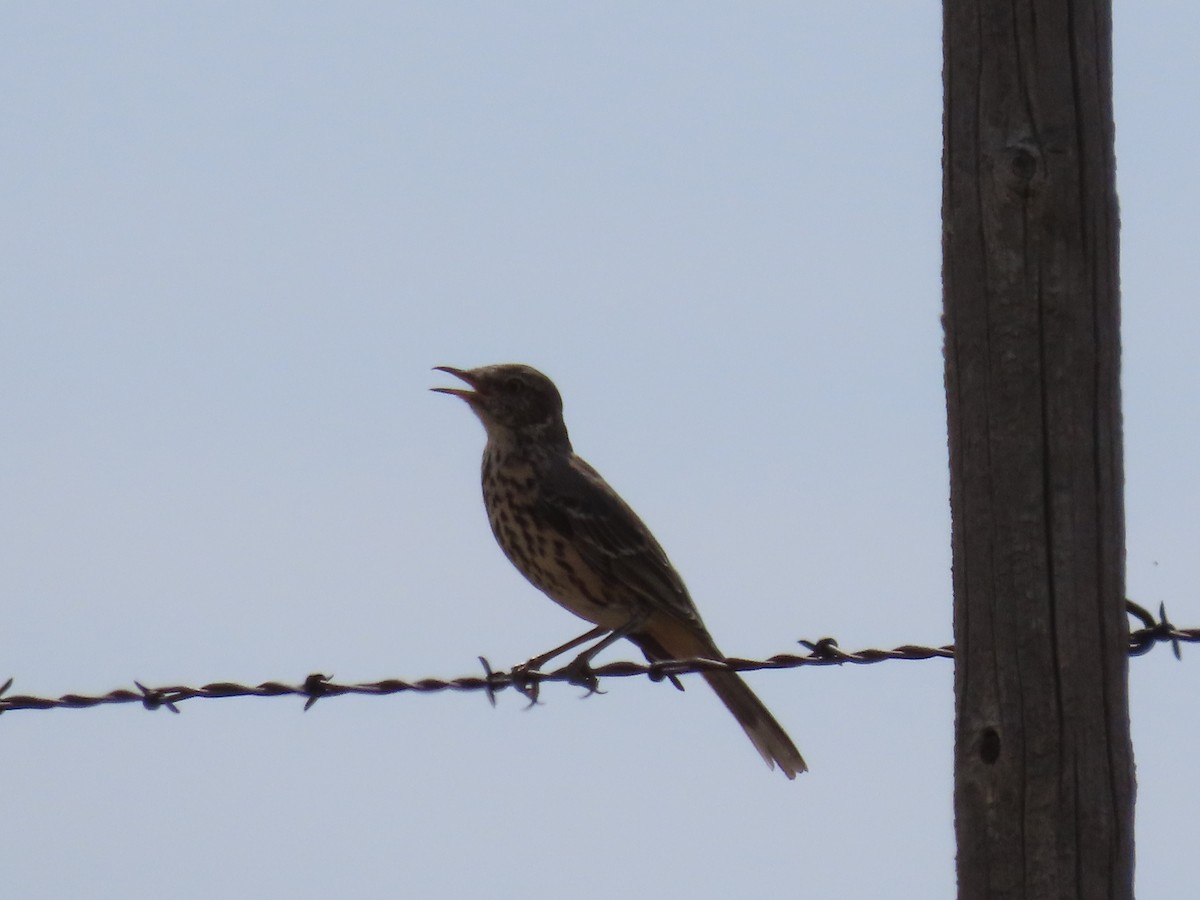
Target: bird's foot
{"type": "Point", "coordinates": [528, 687]}
{"type": "Point", "coordinates": [580, 672]}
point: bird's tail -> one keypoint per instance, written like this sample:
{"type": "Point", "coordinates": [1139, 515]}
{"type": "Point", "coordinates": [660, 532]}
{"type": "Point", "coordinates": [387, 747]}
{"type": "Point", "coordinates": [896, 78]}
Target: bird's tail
{"type": "Point", "coordinates": [669, 637]}
{"type": "Point", "coordinates": [756, 720]}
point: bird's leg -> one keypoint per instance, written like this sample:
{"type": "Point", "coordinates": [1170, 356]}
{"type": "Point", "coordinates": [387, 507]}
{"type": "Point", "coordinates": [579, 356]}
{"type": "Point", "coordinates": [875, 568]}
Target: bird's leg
{"type": "Point", "coordinates": [541, 659]}
{"type": "Point", "coordinates": [579, 669]}
{"type": "Point", "coordinates": [530, 688]}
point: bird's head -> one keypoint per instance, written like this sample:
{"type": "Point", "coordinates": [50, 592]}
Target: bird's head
{"type": "Point", "coordinates": [514, 402]}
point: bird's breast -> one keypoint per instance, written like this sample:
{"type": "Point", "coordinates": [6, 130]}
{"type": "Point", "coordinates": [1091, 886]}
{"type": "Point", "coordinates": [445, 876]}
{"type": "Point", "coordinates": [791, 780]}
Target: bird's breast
{"type": "Point", "coordinates": [541, 552]}
{"type": "Point", "coordinates": [510, 493]}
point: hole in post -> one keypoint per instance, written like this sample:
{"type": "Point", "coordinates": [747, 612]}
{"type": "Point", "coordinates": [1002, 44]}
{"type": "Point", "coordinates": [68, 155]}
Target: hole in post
{"type": "Point", "coordinates": [989, 746]}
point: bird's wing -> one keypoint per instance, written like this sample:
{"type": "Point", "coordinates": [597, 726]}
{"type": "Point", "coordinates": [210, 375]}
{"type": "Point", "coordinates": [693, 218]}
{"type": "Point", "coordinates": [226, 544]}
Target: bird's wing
{"type": "Point", "coordinates": [608, 534]}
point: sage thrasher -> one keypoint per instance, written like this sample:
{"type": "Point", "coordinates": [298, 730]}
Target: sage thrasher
{"type": "Point", "coordinates": [576, 540]}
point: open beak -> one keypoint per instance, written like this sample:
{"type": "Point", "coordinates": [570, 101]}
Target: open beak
{"type": "Point", "coordinates": [472, 381]}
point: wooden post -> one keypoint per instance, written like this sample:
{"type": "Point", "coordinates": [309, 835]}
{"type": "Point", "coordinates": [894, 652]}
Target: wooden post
{"type": "Point", "coordinates": [1044, 783]}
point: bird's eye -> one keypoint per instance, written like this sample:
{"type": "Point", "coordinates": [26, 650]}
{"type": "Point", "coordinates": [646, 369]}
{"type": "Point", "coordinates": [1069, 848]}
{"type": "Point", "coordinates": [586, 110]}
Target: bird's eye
{"type": "Point", "coordinates": [515, 385]}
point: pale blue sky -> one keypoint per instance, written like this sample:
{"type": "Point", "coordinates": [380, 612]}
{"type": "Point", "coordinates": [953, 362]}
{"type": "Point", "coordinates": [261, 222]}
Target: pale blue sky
{"type": "Point", "coordinates": [239, 235]}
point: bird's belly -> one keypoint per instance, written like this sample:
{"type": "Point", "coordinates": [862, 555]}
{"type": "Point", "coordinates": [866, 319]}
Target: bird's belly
{"type": "Point", "coordinates": [550, 562]}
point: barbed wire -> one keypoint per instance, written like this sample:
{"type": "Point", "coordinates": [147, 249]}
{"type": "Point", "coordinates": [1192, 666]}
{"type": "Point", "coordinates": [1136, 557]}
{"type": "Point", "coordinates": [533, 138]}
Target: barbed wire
{"type": "Point", "coordinates": [825, 652]}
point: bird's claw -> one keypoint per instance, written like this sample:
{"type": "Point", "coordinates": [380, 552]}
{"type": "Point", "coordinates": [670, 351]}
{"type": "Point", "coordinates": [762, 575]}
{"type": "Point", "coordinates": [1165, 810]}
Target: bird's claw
{"type": "Point", "coordinates": [527, 687]}
{"type": "Point", "coordinates": [580, 672]}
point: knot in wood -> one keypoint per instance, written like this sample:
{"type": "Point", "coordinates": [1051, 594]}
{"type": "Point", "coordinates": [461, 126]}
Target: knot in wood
{"type": "Point", "coordinates": [1020, 162]}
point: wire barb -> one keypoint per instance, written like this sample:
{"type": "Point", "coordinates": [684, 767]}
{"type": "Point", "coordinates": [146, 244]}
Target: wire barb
{"type": "Point", "coordinates": [153, 698]}
{"type": "Point", "coordinates": [1155, 631]}
{"type": "Point", "coordinates": [315, 686]}
{"type": "Point", "coordinates": [489, 684]}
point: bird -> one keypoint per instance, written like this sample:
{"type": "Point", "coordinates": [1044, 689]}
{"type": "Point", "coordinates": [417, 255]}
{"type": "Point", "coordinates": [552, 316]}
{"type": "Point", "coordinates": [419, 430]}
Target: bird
{"type": "Point", "coordinates": [573, 537]}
